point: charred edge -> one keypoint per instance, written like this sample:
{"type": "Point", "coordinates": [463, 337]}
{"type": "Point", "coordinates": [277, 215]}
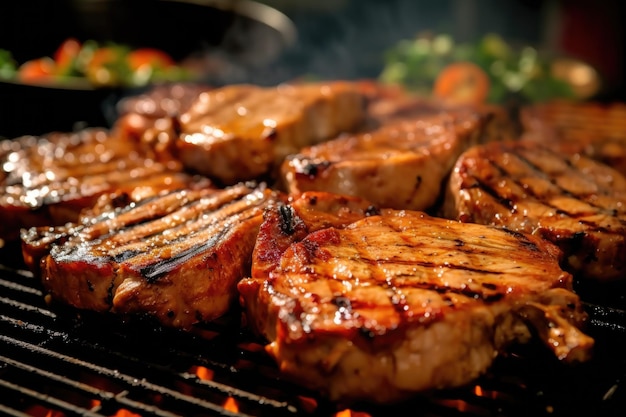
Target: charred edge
{"type": "Point", "coordinates": [522, 239]}
{"type": "Point", "coordinates": [154, 272]}
{"type": "Point", "coordinates": [111, 292]}
{"type": "Point", "coordinates": [311, 169]}
{"type": "Point", "coordinates": [418, 181]}
{"type": "Point", "coordinates": [372, 211]}
{"type": "Point", "coordinates": [287, 222]}
{"type": "Point", "coordinates": [343, 304]}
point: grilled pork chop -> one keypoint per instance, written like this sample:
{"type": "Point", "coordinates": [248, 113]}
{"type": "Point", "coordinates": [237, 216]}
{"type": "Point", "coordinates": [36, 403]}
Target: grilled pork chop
{"type": "Point", "coordinates": [592, 129]}
{"type": "Point", "coordinates": [402, 164]}
{"type": "Point", "coordinates": [176, 257]}
{"type": "Point", "coordinates": [400, 302]}
{"type": "Point", "coordinates": [49, 180]}
{"type": "Point", "coordinates": [572, 201]}
{"type": "Point", "coordinates": [242, 132]}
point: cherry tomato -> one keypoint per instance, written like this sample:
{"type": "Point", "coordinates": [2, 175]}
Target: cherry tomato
{"type": "Point", "coordinates": [462, 83]}
{"type": "Point", "coordinates": [66, 54]}
{"type": "Point", "coordinates": [36, 70]}
{"type": "Point", "coordinates": [149, 56]}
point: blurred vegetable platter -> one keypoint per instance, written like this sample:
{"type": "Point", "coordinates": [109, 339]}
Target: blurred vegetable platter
{"type": "Point", "coordinates": [489, 69]}
{"type": "Point", "coordinates": [91, 64]}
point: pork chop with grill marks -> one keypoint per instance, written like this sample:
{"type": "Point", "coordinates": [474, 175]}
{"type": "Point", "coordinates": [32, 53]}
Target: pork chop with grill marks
{"type": "Point", "coordinates": [176, 257]}
{"type": "Point", "coordinates": [399, 302]}
{"type": "Point", "coordinates": [48, 180]}
{"type": "Point", "coordinates": [596, 130]}
{"type": "Point", "coordinates": [573, 201]}
{"type": "Point", "coordinates": [402, 164]}
{"type": "Point", "coordinates": [242, 132]}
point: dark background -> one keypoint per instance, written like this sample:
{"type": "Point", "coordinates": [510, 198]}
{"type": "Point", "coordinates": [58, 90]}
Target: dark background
{"type": "Point", "coordinates": [347, 39]}
{"type": "Point", "coordinates": [336, 39]}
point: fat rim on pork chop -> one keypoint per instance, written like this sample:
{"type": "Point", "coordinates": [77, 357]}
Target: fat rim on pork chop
{"type": "Point", "coordinates": [400, 302]}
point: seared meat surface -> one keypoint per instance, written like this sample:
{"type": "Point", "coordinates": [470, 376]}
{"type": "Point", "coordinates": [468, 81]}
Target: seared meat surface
{"type": "Point", "coordinates": [242, 132]}
{"type": "Point", "coordinates": [572, 201]}
{"type": "Point", "coordinates": [592, 129]}
{"type": "Point", "coordinates": [176, 257]}
{"type": "Point", "coordinates": [400, 302]}
{"type": "Point", "coordinates": [48, 180]}
{"type": "Point", "coordinates": [401, 164]}
{"type": "Point", "coordinates": [152, 117]}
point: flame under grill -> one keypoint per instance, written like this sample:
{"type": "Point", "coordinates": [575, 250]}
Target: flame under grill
{"type": "Point", "coordinates": [56, 362]}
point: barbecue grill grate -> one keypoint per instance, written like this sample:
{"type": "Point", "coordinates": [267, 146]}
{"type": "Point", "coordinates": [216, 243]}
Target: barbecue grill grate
{"type": "Point", "coordinates": [55, 362]}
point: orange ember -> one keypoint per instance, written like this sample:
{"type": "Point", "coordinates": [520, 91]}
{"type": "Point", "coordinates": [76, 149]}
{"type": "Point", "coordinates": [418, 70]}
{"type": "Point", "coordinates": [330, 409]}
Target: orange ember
{"type": "Point", "coordinates": [203, 373]}
{"type": "Point", "coordinates": [231, 405]}
{"type": "Point", "coordinates": [478, 391]}
{"type": "Point", "coordinates": [308, 404]}
{"type": "Point", "coordinates": [351, 413]}
{"type": "Point", "coordinates": [125, 413]}
{"type": "Point", "coordinates": [40, 411]}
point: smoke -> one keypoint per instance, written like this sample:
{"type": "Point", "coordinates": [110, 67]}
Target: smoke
{"type": "Point", "coordinates": [350, 43]}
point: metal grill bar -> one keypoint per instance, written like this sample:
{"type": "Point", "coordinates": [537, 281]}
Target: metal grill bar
{"type": "Point", "coordinates": [91, 365]}
{"type": "Point", "coordinates": [133, 382]}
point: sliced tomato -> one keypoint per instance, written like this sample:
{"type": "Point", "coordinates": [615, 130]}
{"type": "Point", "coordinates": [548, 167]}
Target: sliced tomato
{"type": "Point", "coordinates": [66, 54]}
{"type": "Point", "coordinates": [36, 70]}
{"type": "Point", "coordinates": [148, 56]}
{"type": "Point", "coordinates": [462, 83]}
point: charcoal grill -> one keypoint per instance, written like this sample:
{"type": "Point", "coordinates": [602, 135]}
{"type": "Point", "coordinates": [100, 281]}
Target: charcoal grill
{"type": "Point", "coordinates": [58, 362]}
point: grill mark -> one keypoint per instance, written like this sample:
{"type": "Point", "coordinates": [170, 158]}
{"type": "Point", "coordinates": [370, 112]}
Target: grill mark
{"type": "Point", "coordinates": [521, 239]}
{"type": "Point", "coordinates": [426, 264]}
{"type": "Point", "coordinates": [127, 217]}
{"type": "Point", "coordinates": [139, 250]}
{"type": "Point", "coordinates": [540, 173]}
{"type": "Point", "coordinates": [79, 248]}
{"type": "Point", "coordinates": [160, 221]}
{"type": "Point", "coordinates": [153, 272]}
{"type": "Point", "coordinates": [491, 296]}
{"type": "Point", "coordinates": [209, 238]}
{"type": "Point", "coordinates": [104, 181]}
{"type": "Point", "coordinates": [395, 295]}
{"type": "Point", "coordinates": [185, 230]}
{"type": "Point", "coordinates": [505, 202]}
{"type": "Point", "coordinates": [76, 168]}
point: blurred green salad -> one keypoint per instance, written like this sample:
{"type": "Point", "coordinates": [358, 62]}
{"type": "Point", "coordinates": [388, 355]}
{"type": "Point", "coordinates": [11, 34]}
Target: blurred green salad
{"type": "Point", "coordinates": [420, 65]}
{"type": "Point", "coordinates": [92, 64]}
